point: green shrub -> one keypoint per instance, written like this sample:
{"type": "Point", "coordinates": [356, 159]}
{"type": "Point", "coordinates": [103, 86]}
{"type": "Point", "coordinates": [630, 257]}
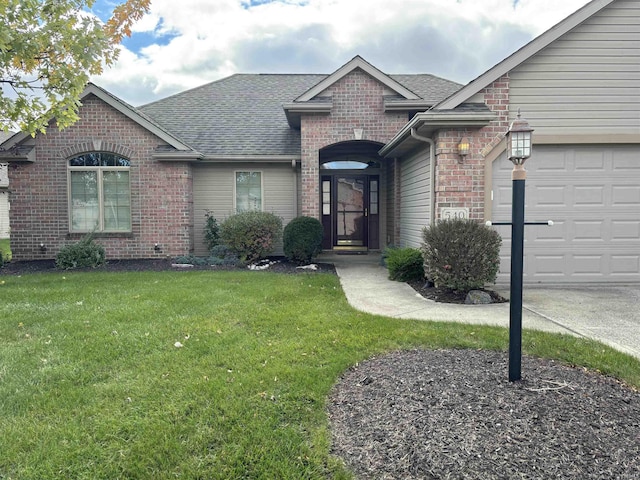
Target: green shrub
{"type": "Point", "coordinates": [222, 255]}
{"type": "Point", "coordinates": [461, 254]}
{"type": "Point", "coordinates": [85, 253]}
{"type": "Point", "coordinates": [404, 264]}
{"type": "Point", "coordinates": [302, 239]}
{"type": "Point", "coordinates": [211, 231]}
{"type": "Point", "coordinates": [251, 235]}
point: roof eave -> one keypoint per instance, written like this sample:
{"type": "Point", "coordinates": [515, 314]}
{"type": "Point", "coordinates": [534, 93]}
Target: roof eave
{"type": "Point", "coordinates": [18, 154]}
{"type": "Point", "coordinates": [406, 105]}
{"type": "Point", "coordinates": [428, 122]}
{"type": "Point", "coordinates": [178, 156]}
{"type": "Point", "coordinates": [295, 110]}
{"type": "Point", "coordinates": [251, 158]}
{"type": "Point", "coordinates": [128, 111]}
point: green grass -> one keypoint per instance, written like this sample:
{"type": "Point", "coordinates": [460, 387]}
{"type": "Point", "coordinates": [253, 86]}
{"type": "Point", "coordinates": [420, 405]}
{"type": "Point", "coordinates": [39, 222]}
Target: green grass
{"type": "Point", "coordinates": [92, 386]}
{"type": "Point", "coordinates": [5, 249]}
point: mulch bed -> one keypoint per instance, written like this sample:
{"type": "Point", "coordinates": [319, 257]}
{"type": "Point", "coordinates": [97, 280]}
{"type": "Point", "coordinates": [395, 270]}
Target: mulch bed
{"type": "Point", "coordinates": [281, 265]}
{"type": "Point", "coordinates": [453, 414]}
{"type": "Point", "coordinates": [444, 295]}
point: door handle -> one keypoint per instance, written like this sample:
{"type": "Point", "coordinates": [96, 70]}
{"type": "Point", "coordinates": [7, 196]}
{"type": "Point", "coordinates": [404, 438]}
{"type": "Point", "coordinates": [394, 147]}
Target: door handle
{"type": "Point", "coordinates": [366, 212]}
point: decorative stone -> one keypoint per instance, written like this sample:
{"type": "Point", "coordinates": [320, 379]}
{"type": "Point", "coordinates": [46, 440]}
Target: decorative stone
{"type": "Point", "coordinates": [312, 266]}
{"type": "Point", "coordinates": [478, 297]}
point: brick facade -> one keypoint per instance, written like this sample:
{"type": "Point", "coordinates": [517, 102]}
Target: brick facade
{"type": "Point", "coordinates": [357, 101]}
{"type": "Point", "coordinates": [462, 184]}
{"type": "Point", "coordinates": [161, 193]}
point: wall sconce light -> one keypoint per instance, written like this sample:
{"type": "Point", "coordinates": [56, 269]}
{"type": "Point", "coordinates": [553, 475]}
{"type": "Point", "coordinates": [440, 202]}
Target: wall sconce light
{"type": "Point", "coordinates": [43, 248]}
{"type": "Point", "coordinates": [463, 148]}
{"type": "Point", "coordinates": [157, 248]}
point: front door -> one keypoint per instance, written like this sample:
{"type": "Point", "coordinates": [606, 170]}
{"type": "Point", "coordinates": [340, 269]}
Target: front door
{"type": "Point", "coordinates": [350, 211]}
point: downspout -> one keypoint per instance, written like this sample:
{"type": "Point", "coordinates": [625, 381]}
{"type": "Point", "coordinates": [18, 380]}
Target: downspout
{"type": "Point", "coordinates": [432, 172]}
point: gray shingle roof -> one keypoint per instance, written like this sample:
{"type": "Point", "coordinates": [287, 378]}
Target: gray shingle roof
{"type": "Point", "coordinates": [430, 88]}
{"type": "Point", "coordinates": [243, 114]}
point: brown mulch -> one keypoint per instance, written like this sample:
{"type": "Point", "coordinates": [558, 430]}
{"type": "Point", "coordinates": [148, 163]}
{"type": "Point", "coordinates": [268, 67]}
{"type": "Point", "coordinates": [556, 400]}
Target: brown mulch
{"type": "Point", "coordinates": [281, 265]}
{"type": "Point", "coordinates": [454, 414]}
{"type": "Point", "coordinates": [445, 295]}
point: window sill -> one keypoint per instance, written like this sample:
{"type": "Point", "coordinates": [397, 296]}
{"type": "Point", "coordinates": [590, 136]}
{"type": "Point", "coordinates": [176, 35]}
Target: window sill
{"type": "Point", "coordinates": [79, 235]}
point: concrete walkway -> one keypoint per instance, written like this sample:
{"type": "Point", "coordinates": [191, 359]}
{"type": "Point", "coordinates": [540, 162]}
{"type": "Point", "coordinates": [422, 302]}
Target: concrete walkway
{"type": "Point", "coordinates": [610, 314]}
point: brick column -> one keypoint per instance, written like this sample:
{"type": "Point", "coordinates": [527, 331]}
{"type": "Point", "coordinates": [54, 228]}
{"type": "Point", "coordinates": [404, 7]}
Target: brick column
{"type": "Point", "coordinates": [462, 183]}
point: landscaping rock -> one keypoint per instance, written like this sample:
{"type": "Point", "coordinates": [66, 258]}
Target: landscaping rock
{"type": "Point", "coordinates": [478, 297]}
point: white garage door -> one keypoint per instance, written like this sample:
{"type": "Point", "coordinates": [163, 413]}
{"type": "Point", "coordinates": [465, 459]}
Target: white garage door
{"type": "Point", "coordinates": [592, 193]}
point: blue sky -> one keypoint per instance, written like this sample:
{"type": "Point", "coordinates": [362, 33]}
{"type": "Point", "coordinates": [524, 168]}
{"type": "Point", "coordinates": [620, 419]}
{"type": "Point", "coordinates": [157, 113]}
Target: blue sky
{"type": "Point", "coordinates": [186, 43]}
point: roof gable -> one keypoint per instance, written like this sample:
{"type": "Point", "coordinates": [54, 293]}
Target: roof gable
{"type": "Point", "coordinates": [127, 110]}
{"type": "Point", "coordinates": [523, 54]}
{"type": "Point", "coordinates": [357, 62]}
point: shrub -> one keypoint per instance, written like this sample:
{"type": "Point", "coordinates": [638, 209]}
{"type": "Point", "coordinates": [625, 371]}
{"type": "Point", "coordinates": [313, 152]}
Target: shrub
{"type": "Point", "coordinates": [222, 255]}
{"type": "Point", "coordinates": [461, 254]}
{"type": "Point", "coordinates": [85, 253]}
{"type": "Point", "coordinates": [251, 235]}
{"type": "Point", "coordinates": [404, 264]}
{"type": "Point", "coordinates": [211, 231]}
{"type": "Point", "coordinates": [302, 239]}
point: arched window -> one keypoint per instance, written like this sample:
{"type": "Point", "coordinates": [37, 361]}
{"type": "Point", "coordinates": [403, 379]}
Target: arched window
{"type": "Point", "coordinates": [349, 165]}
{"type": "Point", "coordinates": [99, 193]}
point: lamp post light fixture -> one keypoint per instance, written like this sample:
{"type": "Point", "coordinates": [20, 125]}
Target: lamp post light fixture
{"type": "Point", "coordinates": [518, 150]}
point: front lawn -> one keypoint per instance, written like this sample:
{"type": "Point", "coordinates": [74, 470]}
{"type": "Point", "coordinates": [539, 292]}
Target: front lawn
{"type": "Point", "coordinates": [199, 374]}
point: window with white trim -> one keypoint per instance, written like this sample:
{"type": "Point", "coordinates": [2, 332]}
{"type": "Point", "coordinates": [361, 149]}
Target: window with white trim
{"type": "Point", "coordinates": [248, 191]}
{"type": "Point", "coordinates": [99, 193]}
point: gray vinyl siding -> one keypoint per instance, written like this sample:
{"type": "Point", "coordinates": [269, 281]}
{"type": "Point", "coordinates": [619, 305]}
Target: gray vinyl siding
{"type": "Point", "coordinates": [213, 190]}
{"type": "Point", "coordinates": [414, 198]}
{"type": "Point", "coordinates": [587, 81]}
{"type": "Point", "coordinates": [389, 205]}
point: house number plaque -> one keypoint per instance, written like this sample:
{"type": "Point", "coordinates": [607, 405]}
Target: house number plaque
{"type": "Point", "coordinates": [449, 213]}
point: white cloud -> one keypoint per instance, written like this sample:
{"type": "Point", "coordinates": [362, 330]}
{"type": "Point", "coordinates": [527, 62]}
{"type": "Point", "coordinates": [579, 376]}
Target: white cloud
{"type": "Point", "coordinates": [455, 39]}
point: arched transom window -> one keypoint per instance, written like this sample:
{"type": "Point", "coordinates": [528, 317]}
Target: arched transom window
{"type": "Point", "coordinates": [99, 193]}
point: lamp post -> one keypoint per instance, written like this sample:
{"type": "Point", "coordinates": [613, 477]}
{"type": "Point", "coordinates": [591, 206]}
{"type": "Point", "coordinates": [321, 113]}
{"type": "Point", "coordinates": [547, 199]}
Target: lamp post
{"type": "Point", "coordinates": [518, 150]}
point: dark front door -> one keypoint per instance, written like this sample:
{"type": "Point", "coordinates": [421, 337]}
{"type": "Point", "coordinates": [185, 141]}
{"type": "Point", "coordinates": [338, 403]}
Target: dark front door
{"type": "Point", "coordinates": [350, 211]}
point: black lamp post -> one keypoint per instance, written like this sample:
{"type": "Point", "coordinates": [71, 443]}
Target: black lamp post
{"type": "Point", "coordinates": [518, 150]}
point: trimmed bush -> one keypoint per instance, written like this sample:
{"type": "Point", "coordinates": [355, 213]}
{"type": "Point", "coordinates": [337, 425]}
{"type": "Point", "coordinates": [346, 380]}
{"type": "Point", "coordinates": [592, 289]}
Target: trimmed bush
{"type": "Point", "coordinates": [83, 254]}
{"type": "Point", "coordinates": [461, 254]}
{"type": "Point", "coordinates": [404, 264]}
{"type": "Point", "coordinates": [251, 235]}
{"type": "Point", "coordinates": [302, 239]}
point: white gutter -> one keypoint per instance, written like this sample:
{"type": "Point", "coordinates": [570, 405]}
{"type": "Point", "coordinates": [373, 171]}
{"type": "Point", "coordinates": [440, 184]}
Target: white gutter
{"type": "Point", "coordinates": [432, 172]}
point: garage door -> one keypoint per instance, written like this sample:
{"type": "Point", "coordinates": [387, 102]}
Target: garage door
{"type": "Point", "coordinates": [592, 193]}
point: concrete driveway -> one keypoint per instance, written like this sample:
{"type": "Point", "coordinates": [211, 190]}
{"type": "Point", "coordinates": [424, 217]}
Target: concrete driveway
{"type": "Point", "coordinates": [610, 314]}
{"type": "Point", "coordinates": [607, 313]}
